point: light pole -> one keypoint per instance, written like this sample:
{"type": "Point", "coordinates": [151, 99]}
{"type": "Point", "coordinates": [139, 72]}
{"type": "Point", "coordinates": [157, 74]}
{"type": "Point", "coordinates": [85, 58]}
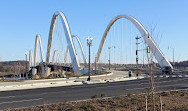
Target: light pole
{"type": "Point", "coordinates": [26, 65]}
{"type": "Point", "coordinates": [89, 43]}
{"type": "Point", "coordinates": [109, 57]}
{"type": "Point", "coordinates": [173, 54]}
{"type": "Point", "coordinates": [114, 57]}
{"type": "Point", "coordinates": [95, 65]}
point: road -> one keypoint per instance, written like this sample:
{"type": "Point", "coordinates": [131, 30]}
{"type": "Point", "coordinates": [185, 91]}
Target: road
{"type": "Point", "coordinates": [33, 97]}
{"type": "Point", "coordinates": [56, 82]}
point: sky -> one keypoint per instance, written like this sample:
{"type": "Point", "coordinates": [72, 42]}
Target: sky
{"type": "Point", "coordinates": [21, 20]}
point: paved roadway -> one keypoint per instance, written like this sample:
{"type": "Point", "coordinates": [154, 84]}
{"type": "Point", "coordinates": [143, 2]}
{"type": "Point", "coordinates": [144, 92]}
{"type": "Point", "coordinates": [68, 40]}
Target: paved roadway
{"type": "Point", "coordinates": [33, 97]}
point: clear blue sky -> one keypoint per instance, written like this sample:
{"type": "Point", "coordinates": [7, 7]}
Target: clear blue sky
{"type": "Point", "coordinates": [21, 20]}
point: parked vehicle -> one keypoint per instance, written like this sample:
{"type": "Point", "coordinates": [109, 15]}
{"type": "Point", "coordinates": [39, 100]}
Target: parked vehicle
{"type": "Point", "coordinates": [167, 70]}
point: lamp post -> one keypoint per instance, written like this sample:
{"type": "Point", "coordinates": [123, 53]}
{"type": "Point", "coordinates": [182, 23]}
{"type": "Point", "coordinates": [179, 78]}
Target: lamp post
{"type": "Point", "coordinates": [89, 43]}
{"type": "Point", "coordinates": [26, 65]}
{"type": "Point", "coordinates": [114, 56]}
{"type": "Point", "coordinates": [95, 65]}
{"type": "Point", "coordinates": [173, 54]}
{"type": "Point", "coordinates": [109, 57]}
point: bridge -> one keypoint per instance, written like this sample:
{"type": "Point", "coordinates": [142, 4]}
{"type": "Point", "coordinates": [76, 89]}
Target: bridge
{"type": "Point", "coordinates": [46, 66]}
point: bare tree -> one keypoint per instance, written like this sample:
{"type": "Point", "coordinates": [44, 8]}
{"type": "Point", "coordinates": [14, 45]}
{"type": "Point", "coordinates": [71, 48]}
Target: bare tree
{"type": "Point", "coordinates": [150, 57]}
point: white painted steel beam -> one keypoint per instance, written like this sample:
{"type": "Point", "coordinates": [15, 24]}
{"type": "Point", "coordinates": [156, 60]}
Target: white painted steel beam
{"type": "Point", "coordinates": [74, 58]}
{"type": "Point", "coordinates": [30, 59]}
{"type": "Point", "coordinates": [82, 50]}
{"type": "Point", "coordinates": [56, 57]}
{"type": "Point", "coordinates": [163, 62]}
{"type": "Point", "coordinates": [38, 40]}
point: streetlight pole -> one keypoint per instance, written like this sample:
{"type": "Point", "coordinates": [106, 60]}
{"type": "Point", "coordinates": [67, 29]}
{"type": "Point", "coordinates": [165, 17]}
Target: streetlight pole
{"type": "Point", "coordinates": [114, 56]}
{"type": "Point", "coordinates": [89, 43]}
{"type": "Point", "coordinates": [95, 65]}
{"type": "Point", "coordinates": [89, 65]}
{"type": "Point", "coordinates": [109, 57]}
{"type": "Point", "coordinates": [173, 57]}
{"type": "Point", "coordinates": [173, 54]}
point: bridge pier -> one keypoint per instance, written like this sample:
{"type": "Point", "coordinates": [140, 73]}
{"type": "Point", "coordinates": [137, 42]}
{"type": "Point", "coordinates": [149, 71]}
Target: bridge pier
{"type": "Point", "coordinates": [34, 71]}
{"type": "Point", "coordinates": [48, 70]}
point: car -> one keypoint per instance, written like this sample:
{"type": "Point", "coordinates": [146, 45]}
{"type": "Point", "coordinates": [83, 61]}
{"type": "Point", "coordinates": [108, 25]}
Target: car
{"type": "Point", "coordinates": [167, 70]}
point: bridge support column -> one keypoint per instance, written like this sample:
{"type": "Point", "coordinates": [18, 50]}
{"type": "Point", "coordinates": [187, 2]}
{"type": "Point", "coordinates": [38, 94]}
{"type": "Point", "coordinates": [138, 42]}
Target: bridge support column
{"type": "Point", "coordinates": [34, 71]}
{"type": "Point", "coordinates": [48, 69]}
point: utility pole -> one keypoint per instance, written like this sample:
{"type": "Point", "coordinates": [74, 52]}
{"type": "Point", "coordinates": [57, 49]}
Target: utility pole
{"type": "Point", "coordinates": [89, 43]}
{"type": "Point", "coordinates": [137, 54]}
{"type": "Point", "coordinates": [109, 57]}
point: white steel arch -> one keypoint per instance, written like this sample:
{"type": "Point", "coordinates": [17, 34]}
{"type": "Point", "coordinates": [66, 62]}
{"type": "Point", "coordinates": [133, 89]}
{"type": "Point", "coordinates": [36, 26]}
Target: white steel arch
{"type": "Point", "coordinates": [74, 58]}
{"type": "Point", "coordinates": [55, 56]}
{"type": "Point", "coordinates": [82, 50]}
{"type": "Point", "coordinates": [30, 59]}
{"type": "Point", "coordinates": [38, 40]}
{"type": "Point", "coordinates": [163, 62]}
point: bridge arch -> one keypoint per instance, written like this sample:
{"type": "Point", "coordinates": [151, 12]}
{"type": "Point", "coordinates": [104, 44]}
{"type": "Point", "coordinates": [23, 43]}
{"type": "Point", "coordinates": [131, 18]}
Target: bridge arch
{"type": "Point", "coordinates": [30, 59]}
{"type": "Point", "coordinates": [82, 50]}
{"type": "Point", "coordinates": [74, 58]}
{"type": "Point", "coordinates": [38, 40]}
{"type": "Point", "coordinates": [147, 38]}
{"type": "Point", "coordinates": [55, 54]}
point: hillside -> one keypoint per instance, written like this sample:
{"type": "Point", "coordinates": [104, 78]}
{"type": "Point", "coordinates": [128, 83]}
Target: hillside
{"type": "Point", "coordinates": [12, 67]}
